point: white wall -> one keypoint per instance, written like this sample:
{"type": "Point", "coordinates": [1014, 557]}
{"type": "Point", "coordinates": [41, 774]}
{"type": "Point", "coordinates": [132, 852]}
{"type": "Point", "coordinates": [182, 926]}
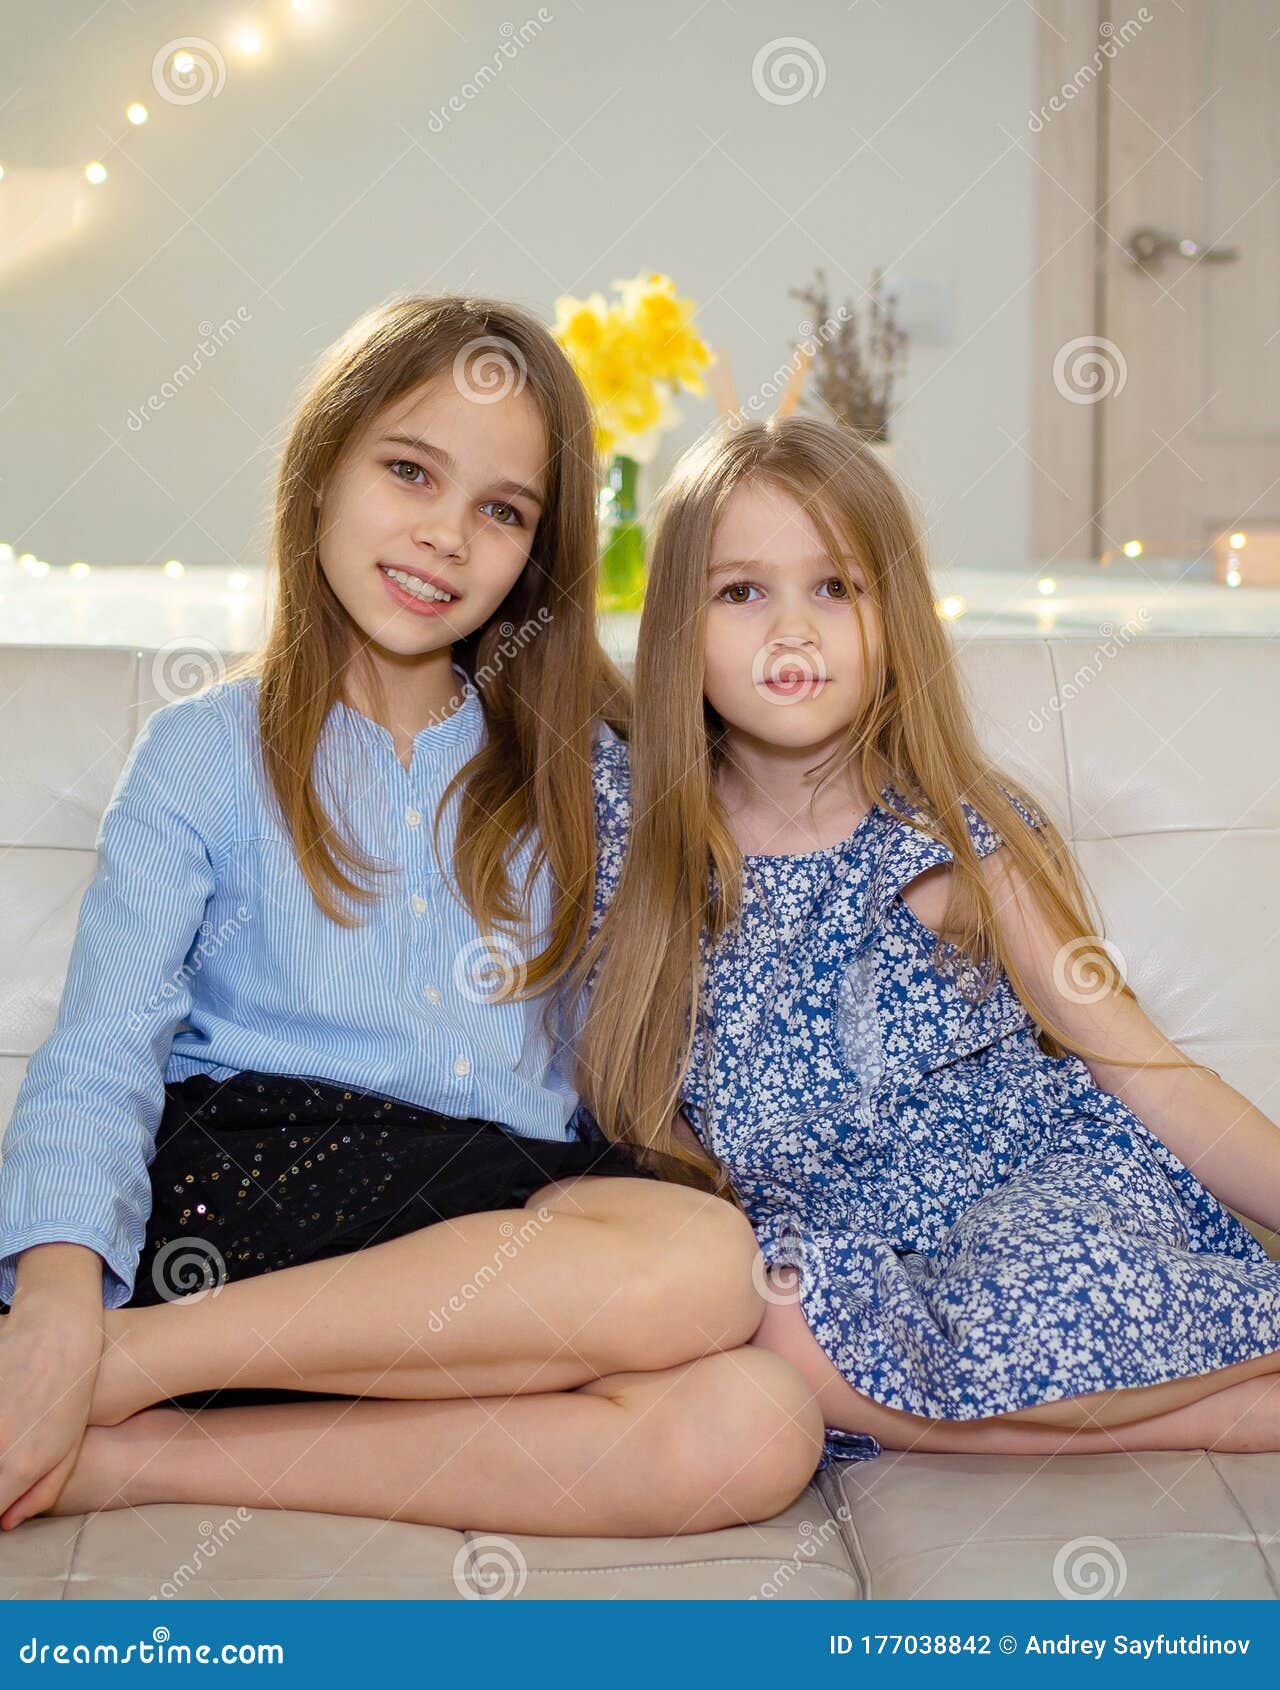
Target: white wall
{"type": "Point", "coordinates": [620, 138]}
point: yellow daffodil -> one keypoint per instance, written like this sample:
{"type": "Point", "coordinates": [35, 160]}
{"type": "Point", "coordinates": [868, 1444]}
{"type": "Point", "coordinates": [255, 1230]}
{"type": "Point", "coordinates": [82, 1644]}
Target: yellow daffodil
{"type": "Point", "coordinates": [631, 356]}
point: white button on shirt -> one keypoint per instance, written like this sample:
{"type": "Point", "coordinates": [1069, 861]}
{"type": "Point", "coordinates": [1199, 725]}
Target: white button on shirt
{"type": "Point", "coordinates": [418, 905]}
{"type": "Point", "coordinates": [413, 817]}
{"type": "Point", "coordinates": [461, 1067]}
{"type": "Point", "coordinates": [432, 993]}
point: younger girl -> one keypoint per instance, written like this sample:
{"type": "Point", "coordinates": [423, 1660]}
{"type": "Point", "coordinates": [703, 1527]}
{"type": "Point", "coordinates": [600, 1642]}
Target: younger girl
{"type": "Point", "coordinates": [294, 1054]}
{"type": "Point", "coordinates": [852, 956]}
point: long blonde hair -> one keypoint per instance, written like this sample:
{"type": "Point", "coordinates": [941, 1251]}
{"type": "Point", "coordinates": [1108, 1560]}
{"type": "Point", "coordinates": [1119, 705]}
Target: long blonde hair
{"type": "Point", "coordinates": [532, 777]}
{"type": "Point", "coordinates": [912, 733]}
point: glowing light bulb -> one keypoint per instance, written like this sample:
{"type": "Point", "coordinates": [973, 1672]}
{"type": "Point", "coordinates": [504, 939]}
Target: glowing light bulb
{"type": "Point", "coordinates": [6, 552]}
{"type": "Point", "coordinates": [173, 569]}
{"type": "Point", "coordinates": [951, 607]}
{"type": "Point", "coordinates": [1, 173]}
{"type": "Point", "coordinates": [183, 63]}
{"type": "Point", "coordinates": [1233, 576]}
{"type": "Point", "coordinates": [95, 172]}
{"type": "Point", "coordinates": [78, 571]}
{"type": "Point", "coordinates": [249, 41]}
{"type": "Point", "coordinates": [238, 582]}
{"type": "Point", "coordinates": [1237, 541]}
{"type": "Point", "coordinates": [137, 112]}
{"type": "Point", "coordinates": [1047, 586]}
{"type": "Point", "coordinates": [1132, 548]}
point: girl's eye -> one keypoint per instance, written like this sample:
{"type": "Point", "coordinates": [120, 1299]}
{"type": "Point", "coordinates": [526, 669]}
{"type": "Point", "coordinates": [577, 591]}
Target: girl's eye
{"type": "Point", "coordinates": [837, 586]}
{"type": "Point", "coordinates": [734, 587]}
{"type": "Point", "coordinates": [513, 519]}
{"type": "Point", "coordinates": [404, 463]}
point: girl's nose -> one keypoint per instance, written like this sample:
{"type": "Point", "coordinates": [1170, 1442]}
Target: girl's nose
{"type": "Point", "coordinates": [442, 531]}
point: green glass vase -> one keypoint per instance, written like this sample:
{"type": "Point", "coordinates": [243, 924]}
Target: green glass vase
{"type": "Point", "coordinates": [622, 572]}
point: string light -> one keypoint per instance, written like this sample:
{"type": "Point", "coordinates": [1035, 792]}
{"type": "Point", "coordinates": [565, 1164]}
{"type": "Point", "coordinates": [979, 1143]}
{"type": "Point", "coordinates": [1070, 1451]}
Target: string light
{"type": "Point", "coordinates": [1047, 586]}
{"type": "Point", "coordinates": [137, 112]}
{"type": "Point", "coordinates": [238, 582]}
{"type": "Point", "coordinates": [1132, 548]}
{"type": "Point", "coordinates": [78, 571]}
{"type": "Point", "coordinates": [1233, 576]}
{"type": "Point", "coordinates": [249, 41]}
{"type": "Point", "coordinates": [951, 607]}
{"type": "Point", "coordinates": [95, 172]}
{"type": "Point", "coordinates": [173, 569]}
{"type": "Point", "coordinates": [1236, 542]}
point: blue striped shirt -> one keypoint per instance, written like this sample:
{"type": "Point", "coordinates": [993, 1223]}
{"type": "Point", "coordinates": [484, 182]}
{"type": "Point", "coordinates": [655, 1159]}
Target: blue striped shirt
{"type": "Point", "coordinates": [201, 950]}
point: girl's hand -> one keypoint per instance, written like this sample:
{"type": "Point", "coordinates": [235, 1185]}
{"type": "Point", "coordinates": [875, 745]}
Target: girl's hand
{"type": "Point", "coordinates": [50, 1347]}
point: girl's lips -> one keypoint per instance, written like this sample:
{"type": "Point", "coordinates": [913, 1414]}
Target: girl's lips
{"type": "Point", "coordinates": [424, 607]}
{"type": "Point", "coordinates": [790, 685]}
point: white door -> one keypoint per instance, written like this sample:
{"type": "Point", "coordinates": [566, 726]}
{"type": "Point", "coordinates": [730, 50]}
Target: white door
{"type": "Point", "coordinates": [1170, 146]}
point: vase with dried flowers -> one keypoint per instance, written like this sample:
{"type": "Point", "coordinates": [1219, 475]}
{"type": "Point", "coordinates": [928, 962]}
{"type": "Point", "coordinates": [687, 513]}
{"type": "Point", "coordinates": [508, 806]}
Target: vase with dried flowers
{"type": "Point", "coordinates": [632, 354]}
{"type": "Point", "coordinates": [854, 371]}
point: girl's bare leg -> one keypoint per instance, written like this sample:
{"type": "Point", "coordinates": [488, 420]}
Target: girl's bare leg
{"type": "Point", "coordinates": [595, 1276]}
{"type": "Point", "coordinates": [1241, 1419]}
{"type": "Point", "coordinates": [732, 1437]}
{"type": "Point", "coordinates": [1240, 1405]}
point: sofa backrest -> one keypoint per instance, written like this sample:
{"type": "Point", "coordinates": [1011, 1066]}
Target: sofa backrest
{"type": "Point", "coordinates": [1160, 760]}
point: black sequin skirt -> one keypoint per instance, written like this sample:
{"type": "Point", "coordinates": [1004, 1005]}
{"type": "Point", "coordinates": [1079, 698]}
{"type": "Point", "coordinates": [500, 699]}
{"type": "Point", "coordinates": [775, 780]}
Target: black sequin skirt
{"type": "Point", "coordinates": [261, 1172]}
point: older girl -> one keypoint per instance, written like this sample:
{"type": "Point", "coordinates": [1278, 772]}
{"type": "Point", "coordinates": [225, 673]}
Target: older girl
{"type": "Point", "coordinates": [304, 1122]}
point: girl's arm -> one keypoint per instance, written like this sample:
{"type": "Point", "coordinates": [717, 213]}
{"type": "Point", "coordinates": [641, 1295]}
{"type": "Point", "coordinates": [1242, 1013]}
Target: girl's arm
{"type": "Point", "coordinates": [1230, 1146]}
{"type": "Point", "coordinates": [76, 1152]}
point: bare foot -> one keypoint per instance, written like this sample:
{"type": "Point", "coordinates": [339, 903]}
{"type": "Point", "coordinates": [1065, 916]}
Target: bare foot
{"type": "Point", "coordinates": [111, 1458]}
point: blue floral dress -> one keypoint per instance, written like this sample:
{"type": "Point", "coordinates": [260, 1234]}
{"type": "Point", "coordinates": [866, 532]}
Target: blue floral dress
{"type": "Point", "coordinates": [978, 1226]}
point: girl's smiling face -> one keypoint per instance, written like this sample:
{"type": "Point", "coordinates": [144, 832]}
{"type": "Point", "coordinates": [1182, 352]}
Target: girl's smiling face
{"type": "Point", "coordinates": [446, 490]}
{"type": "Point", "coordinates": [784, 658]}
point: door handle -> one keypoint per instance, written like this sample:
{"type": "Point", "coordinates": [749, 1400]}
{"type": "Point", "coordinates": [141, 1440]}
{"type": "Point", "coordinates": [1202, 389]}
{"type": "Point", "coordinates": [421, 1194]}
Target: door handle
{"type": "Point", "coordinates": [1148, 248]}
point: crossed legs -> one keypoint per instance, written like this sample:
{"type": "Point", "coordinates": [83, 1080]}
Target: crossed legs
{"type": "Point", "coordinates": [587, 1374]}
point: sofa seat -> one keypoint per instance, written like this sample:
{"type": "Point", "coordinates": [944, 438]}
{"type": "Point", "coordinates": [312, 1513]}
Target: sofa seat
{"type": "Point", "coordinates": [1158, 761]}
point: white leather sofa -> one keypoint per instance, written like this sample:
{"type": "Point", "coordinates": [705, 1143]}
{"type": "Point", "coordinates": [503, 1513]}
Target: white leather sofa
{"type": "Point", "coordinates": [1162, 761]}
